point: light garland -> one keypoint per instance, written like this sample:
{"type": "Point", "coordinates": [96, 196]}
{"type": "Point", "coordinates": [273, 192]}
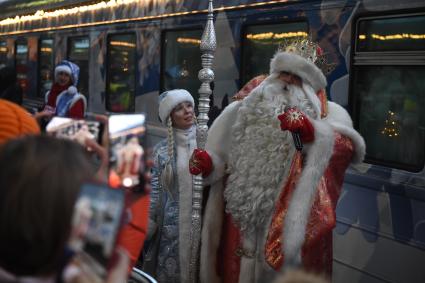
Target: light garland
{"type": "Point", "coordinates": [108, 5]}
{"type": "Point", "coordinates": [123, 43]}
{"type": "Point", "coordinates": [189, 40]}
{"type": "Point", "coordinates": [393, 36]}
{"type": "Point", "coordinates": [272, 35]}
{"type": "Point", "coordinates": [46, 49]}
{"type": "Point", "coordinates": [40, 14]}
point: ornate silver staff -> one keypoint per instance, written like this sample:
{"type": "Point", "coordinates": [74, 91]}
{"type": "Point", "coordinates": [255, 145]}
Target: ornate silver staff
{"type": "Point", "coordinates": [206, 76]}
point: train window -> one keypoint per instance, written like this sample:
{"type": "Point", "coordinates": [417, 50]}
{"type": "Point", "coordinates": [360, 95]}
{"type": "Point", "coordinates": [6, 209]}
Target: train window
{"type": "Point", "coordinates": [260, 42]}
{"type": "Point", "coordinates": [21, 59]}
{"type": "Point", "coordinates": [45, 61]}
{"type": "Point", "coordinates": [387, 92]}
{"type": "Point", "coordinates": [3, 53]}
{"type": "Point", "coordinates": [78, 53]}
{"type": "Point", "coordinates": [121, 77]}
{"type": "Point", "coordinates": [392, 34]}
{"type": "Point", "coordinates": [181, 60]}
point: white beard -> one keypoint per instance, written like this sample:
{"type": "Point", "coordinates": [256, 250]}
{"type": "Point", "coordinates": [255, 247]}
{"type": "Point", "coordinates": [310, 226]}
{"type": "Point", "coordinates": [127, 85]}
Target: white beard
{"type": "Point", "coordinates": [261, 153]}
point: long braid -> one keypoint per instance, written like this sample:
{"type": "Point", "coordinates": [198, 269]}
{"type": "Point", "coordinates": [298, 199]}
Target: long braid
{"type": "Point", "coordinates": [168, 174]}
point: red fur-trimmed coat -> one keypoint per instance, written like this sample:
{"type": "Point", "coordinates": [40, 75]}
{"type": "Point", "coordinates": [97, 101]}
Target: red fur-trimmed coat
{"type": "Point", "coordinates": [299, 231]}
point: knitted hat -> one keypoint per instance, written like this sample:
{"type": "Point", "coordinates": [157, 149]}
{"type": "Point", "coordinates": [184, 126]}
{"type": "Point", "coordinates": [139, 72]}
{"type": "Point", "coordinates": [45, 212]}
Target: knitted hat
{"type": "Point", "coordinates": [70, 68]}
{"type": "Point", "coordinates": [15, 121]}
{"type": "Point", "coordinates": [170, 99]}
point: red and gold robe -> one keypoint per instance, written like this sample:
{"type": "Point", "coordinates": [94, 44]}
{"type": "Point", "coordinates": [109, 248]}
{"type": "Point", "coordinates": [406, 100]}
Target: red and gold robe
{"type": "Point", "coordinates": [222, 252]}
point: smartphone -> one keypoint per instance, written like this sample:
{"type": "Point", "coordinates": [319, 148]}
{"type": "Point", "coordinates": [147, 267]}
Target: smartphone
{"type": "Point", "coordinates": [97, 217]}
{"type": "Point", "coordinates": [76, 129]}
{"type": "Point", "coordinates": [127, 135]}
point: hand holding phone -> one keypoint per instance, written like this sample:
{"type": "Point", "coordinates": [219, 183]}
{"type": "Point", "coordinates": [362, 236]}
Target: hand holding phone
{"type": "Point", "coordinates": [74, 129]}
{"type": "Point", "coordinates": [127, 155]}
{"type": "Point", "coordinates": [98, 215]}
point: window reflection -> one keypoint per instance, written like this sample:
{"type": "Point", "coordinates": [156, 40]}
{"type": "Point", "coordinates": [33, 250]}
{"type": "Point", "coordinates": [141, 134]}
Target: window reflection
{"type": "Point", "coordinates": [21, 60]}
{"type": "Point", "coordinates": [182, 60]}
{"type": "Point", "coordinates": [78, 53]}
{"type": "Point", "coordinates": [390, 100]}
{"type": "Point", "coordinates": [260, 43]}
{"type": "Point", "coordinates": [3, 53]}
{"type": "Point", "coordinates": [46, 67]}
{"type": "Point", "coordinates": [121, 76]}
{"type": "Point", "coordinates": [392, 34]}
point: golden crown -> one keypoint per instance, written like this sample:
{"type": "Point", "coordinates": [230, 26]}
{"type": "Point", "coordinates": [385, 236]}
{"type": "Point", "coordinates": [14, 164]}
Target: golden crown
{"type": "Point", "coordinates": [309, 50]}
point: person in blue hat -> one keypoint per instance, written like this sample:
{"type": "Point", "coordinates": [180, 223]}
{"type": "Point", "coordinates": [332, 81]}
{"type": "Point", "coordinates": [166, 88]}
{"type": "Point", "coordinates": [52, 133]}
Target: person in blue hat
{"type": "Point", "coordinates": [63, 99]}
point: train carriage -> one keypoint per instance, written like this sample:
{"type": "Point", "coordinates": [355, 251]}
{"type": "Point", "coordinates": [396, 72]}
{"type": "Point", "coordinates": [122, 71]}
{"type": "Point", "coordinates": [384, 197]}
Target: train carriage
{"type": "Point", "coordinates": [130, 51]}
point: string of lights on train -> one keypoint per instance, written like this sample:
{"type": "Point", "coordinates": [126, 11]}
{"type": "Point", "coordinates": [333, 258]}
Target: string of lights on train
{"type": "Point", "coordinates": [114, 4]}
{"type": "Point", "coordinates": [393, 36]}
{"type": "Point", "coordinates": [106, 5]}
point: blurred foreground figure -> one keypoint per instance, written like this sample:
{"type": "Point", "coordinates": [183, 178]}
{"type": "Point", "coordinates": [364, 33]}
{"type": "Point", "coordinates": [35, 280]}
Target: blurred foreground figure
{"type": "Point", "coordinates": [40, 180]}
{"type": "Point", "coordinates": [37, 194]}
{"type": "Point", "coordinates": [15, 121]}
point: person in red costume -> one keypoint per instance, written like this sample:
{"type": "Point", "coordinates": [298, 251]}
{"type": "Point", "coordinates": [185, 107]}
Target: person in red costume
{"type": "Point", "coordinates": [278, 161]}
{"type": "Point", "coordinates": [63, 99]}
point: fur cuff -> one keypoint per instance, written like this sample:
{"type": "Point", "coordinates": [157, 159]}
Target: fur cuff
{"type": "Point", "coordinates": [218, 171]}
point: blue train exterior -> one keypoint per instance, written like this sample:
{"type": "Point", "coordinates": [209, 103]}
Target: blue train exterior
{"type": "Point", "coordinates": [380, 233]}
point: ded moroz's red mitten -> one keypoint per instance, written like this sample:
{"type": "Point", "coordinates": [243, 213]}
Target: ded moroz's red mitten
{"type": "Point", "coordinates": [295, 121]}
{"type": "Point", "coordinates": [200, 162]}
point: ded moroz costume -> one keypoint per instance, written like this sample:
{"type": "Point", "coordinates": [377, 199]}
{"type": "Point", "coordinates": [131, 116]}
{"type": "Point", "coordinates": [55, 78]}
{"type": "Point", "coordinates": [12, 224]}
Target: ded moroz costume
{"type": "Point", "coordinates": [271, 206]}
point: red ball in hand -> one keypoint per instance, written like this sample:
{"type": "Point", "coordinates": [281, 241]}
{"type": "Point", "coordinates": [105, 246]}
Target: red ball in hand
{"type": "Point", "coordinates": [200, 162]}
{"type": "Point", "coordinates": [295, 121]}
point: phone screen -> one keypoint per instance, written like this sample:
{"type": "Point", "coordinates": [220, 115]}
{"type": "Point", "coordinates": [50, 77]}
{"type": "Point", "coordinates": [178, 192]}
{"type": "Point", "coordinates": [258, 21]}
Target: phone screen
{"type": "Point", "coordinates": [75, 129]}
{"type": "Point", "coordinates": [97, 217]}
{"type": "Point", "coordinates": [126, 151]}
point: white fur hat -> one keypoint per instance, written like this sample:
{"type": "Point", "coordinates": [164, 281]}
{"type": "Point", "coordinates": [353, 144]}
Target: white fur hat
{"type": "Point", "coordinates": [70, 68]}
{"type": "Point", "coordinates": [63, 68]}
{"type": "Point", "coordinates": [297, 65]}
{"type": "Point", "coordinates": [170, 99]}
